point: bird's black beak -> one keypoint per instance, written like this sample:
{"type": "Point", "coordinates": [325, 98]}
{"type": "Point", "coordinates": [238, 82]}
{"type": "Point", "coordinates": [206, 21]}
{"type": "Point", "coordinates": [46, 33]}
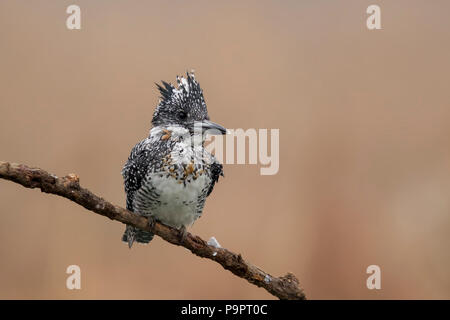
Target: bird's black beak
{"type": "Point", "coordinates": [212, 128]}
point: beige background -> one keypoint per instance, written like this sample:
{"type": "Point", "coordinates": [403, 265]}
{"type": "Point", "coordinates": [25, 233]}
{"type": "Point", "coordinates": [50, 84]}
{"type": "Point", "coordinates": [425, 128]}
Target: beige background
{"type": "Point", "coordinates": [364, 123]}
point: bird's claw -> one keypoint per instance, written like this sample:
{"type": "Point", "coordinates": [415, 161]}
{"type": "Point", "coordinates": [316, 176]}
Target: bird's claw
{"type": "Point", "coordinates": [151, 222]}
{"type": "Point", "coordinates": [183, 234]}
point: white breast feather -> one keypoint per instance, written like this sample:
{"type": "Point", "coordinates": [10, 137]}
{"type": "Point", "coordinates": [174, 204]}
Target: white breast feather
{"type": "Point", "coordinates": [178, 203]}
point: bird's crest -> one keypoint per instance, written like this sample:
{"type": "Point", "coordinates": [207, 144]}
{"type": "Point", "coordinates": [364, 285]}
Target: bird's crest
{"type": "Point", "coordinates": [186, 98]}
{"type": "Point", "coordinates": [187, 88]}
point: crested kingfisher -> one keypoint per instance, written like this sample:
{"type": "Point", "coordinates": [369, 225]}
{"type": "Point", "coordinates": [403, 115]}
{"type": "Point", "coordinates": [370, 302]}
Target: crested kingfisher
{"type": "Point", "coordinates": [169, 174]}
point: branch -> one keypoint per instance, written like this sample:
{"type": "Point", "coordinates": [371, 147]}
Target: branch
{"type": "Point", "coordinates": [285, 287]}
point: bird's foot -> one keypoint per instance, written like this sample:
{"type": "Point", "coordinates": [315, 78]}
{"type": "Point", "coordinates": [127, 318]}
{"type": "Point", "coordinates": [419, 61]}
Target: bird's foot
{"type": "Point", "coordinates": [183, 234]}
{"type": "Point", "coordinates": [151, 222]}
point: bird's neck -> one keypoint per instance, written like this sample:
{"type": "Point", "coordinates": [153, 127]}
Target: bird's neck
{"type": "Point", "coordinates": [176, 133]}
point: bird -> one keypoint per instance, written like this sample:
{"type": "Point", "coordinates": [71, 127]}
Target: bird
{"type": "Point", "coordinates": [169, 174]}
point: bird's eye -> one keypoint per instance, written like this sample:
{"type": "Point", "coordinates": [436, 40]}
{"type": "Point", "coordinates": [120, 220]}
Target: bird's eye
{"type": "Point", "coordinates": [182, 115]}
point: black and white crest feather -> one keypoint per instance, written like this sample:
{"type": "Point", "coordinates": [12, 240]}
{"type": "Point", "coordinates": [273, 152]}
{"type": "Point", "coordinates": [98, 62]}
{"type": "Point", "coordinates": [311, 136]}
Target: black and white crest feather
{"type": "Point", "coordinates": [181, 105]}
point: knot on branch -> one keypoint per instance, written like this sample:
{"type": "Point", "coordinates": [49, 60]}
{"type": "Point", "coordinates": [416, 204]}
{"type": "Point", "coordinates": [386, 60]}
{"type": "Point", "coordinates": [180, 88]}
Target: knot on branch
{"type": "Point", "coordinates": [71, 181]}
{"type": "Point", "coordinates": [291, 284]}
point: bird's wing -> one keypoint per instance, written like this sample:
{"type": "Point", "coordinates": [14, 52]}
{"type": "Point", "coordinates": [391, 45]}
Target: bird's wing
{"type": "Point", "coordinates": [136, 168]}
{"type": "Point", "coordinates": [216, 171]}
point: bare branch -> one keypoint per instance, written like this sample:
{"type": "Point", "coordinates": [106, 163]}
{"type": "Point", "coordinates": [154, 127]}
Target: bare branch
{"type": "Point", "coordinates": [285, 287]}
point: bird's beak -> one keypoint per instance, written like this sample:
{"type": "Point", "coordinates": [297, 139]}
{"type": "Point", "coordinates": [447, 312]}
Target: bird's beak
{"type": "Point", "coordinates": [212, 128]}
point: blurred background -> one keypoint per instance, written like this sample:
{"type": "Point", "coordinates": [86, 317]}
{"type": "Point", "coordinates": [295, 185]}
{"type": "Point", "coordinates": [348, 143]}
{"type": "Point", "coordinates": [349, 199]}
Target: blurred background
{"type": "Point", "coordinates": [364, 119]}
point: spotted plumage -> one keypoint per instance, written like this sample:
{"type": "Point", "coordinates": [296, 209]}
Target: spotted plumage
{"type": "Point", "coordinates": [169, 174]}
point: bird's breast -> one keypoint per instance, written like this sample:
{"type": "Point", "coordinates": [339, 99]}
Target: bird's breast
{"type": "Point", "coordinates": [178, 198]}
{"type": "Point", "coordinates": [174, 191]}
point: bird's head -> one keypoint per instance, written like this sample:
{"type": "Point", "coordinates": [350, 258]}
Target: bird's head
{"type": "Point", "coordinates": [184, 106]}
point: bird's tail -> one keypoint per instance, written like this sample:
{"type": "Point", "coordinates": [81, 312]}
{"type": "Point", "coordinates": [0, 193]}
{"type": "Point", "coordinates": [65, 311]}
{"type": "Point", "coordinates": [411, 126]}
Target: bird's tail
{"type": "Point", "coordinates": [133, 234]}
